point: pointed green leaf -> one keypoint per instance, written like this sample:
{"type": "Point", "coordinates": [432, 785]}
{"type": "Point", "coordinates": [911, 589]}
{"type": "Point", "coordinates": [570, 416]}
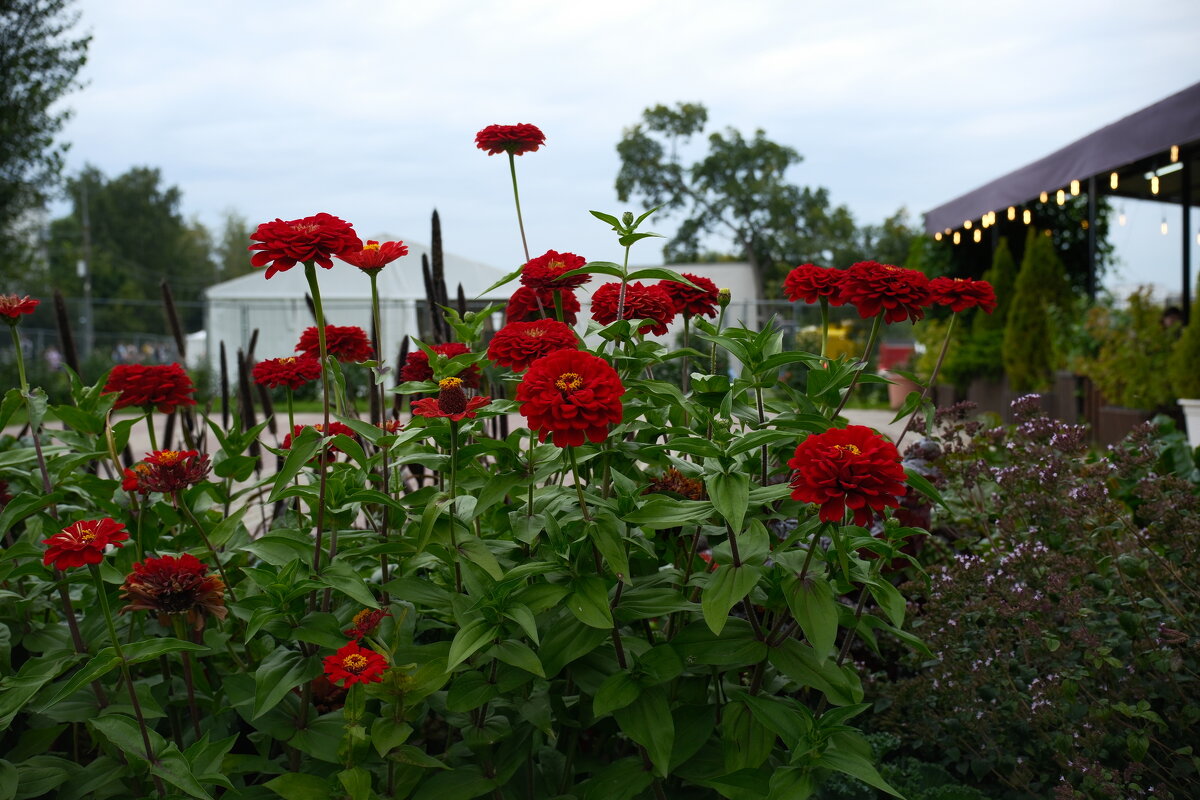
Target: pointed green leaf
{"type": "Point", "coordinates": [726, 588]}
{"type": "Point", "coordinates": [648, 722]}
{"type": "Point", "coordinates": [469, 639]}
{"type": "Point", "coordinates": [589, 602]}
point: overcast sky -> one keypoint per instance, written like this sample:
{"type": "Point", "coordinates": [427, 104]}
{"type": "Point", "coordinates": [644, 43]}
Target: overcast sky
{"type": "Point", "coordinates": [368, 110]}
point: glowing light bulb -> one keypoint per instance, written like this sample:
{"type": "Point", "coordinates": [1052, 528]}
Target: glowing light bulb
{"type": "Point", "coordinates": [1012, 213]}
{"type": "Point", "coordinates": [1153, 184]}
{"type": "Point", "coordinates": [937, 237]}
{"type": "Point", "coordinates": [1061, 197]}
{"type": "Point", "coordinates": [1121, 219]}
{"type": "Point", "coordinates": [1027, 217]}
{"type": "Point", "coordinates": [957, 237]}
{"type": "Point", "coordinates": [1074, 188]}
{"type": "Point", "coordinates": [1084, 224]}
{"type": "Point", "coordinates": [947, 231]}
{"type": "Point", "coordinates": [1113, 180]}
{"type": "Point", "coordinates": [1163, 227]}
{"type": "Point", "coordinates": [979, 234]}
{"type": "Point", "coordinates": [1044, 197]}
{"type": "Point", "coordinates": [1174, 153]}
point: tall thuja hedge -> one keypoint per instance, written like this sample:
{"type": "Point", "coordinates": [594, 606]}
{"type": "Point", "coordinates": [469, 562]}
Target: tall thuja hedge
{"type": "Point", "coordinates": [977, 353]}
{"type": "Point", "coordinates": [1028, 352]}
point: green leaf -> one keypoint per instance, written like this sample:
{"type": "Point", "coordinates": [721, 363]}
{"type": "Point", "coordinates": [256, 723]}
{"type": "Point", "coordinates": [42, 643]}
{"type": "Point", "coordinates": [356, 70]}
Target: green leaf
{"type": "Point", "coordinates": [416, 757]}
{"type": "Point", "coordinates": [303, 448]}
{"type": "Point", "coordinates": [356, 782]}
{"type": "Point", "coordinates": [512, 276]}
{"type": "Point", "coordinates": [469, 639]}
{"type": "Point", "coordinates": [137, 652]}
{"type": "Point", "coordinates": [815, 608]}
{"type": "Point", "coordinates": [657, 512]}
{"type": "Point", "coordinates": [567, 641]}
{"type": "Point", "coordinates": [278, 674]}
{"type": "Point", "coordinates": [101, 664]}
{"type": "Point", "coordinates": [519, 655]}
{"type": "Point", "coordinates": [617, 691]}
{"type": "Point", "coordinates": [922, 485]}
{"type": "Point", "coordinates": [23, 505]}
{"type": "Point", "coordinates": [589, 602]}
{"type": "Point", "coordinates": [648, 722]}
{"type": "Point", "coordinates": [172, 767]}
{"type": "Point", "coordinates": [607, 538]}
{"type": "Point", "coordinates": [856, 764]}
{"type": "Point", "coordinates": [12, 401]}
{"type": "Point", "coordinates": [661, 273]}
{"type": "Point", "coordinates": [660, 664]}
{"type": "Point", "coordinates": [623, 779]}
{"type": "Point", "coordinates": [609, 218]}
{"type": "Point", "coordinates": [730, 495]}
{"type": "Point", "coordinates": [476, 551]}
{"type": "Point", "coordinates": [298, 786]}
{"type": "Point", "coordinates": [726, 588]}
{"type": "Point", "coordinates": [889, 599]}
{"type": "Point", "coordinates": [387, 734]}
{"type": "Point", "coordinates": [342, 577]}
{"type": "Point", "coordinates": [461, 783]}
{"type": "Point", "coordinates": [756, 439]}
{"type": "Point", "coordinates": [8, 780]}
{"type": "Point", "coordinates": [800, 663]}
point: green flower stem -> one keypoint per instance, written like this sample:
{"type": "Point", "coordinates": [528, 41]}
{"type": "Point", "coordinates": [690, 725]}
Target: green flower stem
{"type": "Point", "coordinates": [786, 623]}
{"type": "Point", "coordinates": [385, 520]}
{"type": "Point", "coordinates": [937, 368]}
{"type": "Point", "coordinates": [182, 633]}
{"type": "Point", "coordinates": [824, 326]}
{"type": "Point", "coordinates": [291, 411]}
{"type": "Point", "coordinates": [310, 272]}
{"type": "Point", "coordinates": [102, 594]}
{"type": "Point", "coordinates": [453, 508]}
{"type": "Point", "coordinates": [150, 428]}
{"type": "Point", "coordinates": [621, 294]}
{"type": "Point", "coordinates": [685, 378]}
{"type": "Point", "coordinates": [529, 502]}
{"type": "Point", "coordinates": [12, 327]}
{"type": "Point", "coordinates": [187, 512]}
{"type": "Point", "coordinates": [578, 485]}
{"type": "Point", "coordinates": [558, 306]}
{"type": "Point", "coordinates": [762, 422]}
{"type": "Point", "coordinates": [512, 168]}
{"type": "Point", "coordinates": [871, 340]}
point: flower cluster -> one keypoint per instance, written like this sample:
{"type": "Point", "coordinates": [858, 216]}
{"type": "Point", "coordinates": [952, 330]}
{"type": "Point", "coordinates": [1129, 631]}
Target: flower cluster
{"type": "Point", "coordinates": [160, 386]}
{"type": "Point", "coordinates": [171, 585]}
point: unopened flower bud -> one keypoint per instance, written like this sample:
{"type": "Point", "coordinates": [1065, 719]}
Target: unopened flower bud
{"type": "Point", "coordinates": [627, 218]}
{"type": "Point", "coordinates": [469, 316]}
{"type": "Point", "coordinates": [723, 297]}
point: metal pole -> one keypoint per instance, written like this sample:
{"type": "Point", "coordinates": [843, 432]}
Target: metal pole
{"type": "Point", "coordinates": [1091, 238]}
{"type": "Point", "coordinates": [1185, 200]}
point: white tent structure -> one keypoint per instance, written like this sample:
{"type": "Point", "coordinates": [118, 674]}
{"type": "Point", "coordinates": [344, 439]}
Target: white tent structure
{"type": "Point", "coordinates": [277, 308]}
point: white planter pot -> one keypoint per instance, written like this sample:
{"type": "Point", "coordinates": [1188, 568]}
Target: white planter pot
{"type": "Point", "coordinates": [1191, 414]}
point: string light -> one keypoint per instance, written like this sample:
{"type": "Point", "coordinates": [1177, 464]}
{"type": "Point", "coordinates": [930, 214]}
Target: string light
{"type": "Point", "coordinates": [947, 231]}
{"type": "Point", "coordinates": [979, 235]}
{"type": "Point", "coordinates": [1153, 184]}
{"type": "Point", "coordinates": [1027, 217]}
{"type": "Point", "coordinates": [1061, 197]}
{"type": "Point", "coordinates": [1113, 180]}
{"type": "Point", "coordinates": [1084, 224]}
{"type": "Point", "coordinates": [967, 224]}
{"type": "Point", "coordinates": [1163, 227]}
{"type": "Point", "coordinates": [1044, 197]}
{"type": "Point", "coordinates": [957, 237]}
{"type": "Point", "coordinates": [1012, 213]}
{"type": "Point", "coordinates": [1074, 188]}
{"type": "Point", "coordinates": [1121, 218]}
{"type": "Point", "coordinates": [937, 237]}
{"type": "Point", "coordinates": [1174, 153]}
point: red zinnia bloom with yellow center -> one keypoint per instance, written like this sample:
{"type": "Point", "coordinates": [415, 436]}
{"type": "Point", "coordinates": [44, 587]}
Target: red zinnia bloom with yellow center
{"type": "Point", "coordinates": [375, 256]}
{"type": "Point", "coordinates": [810, 283]}
{"type": "Point", "coordinates": [161, 386]}
{"type": "Point", "coordinates": [512, 139]}
{"type": "Point", "coordinates": [172, 470]}
{"type": "Point", "coordinates": [451, 402]}
{"type": "Point", "coordinates": [524, 306]}
{"type": "Point", "coordinates": [353, 664]}
{"type": "Point", "coordinates": [519, 344]}
{"type": "Point", "coordinates": [365, 622]}
{"type": "Point", "coordinates": [281, 245]}
{"type": "Point", "coordinates": [83, 543]}
{"type": "Point", "coordinates": [292, 371]}
{"type": "Point", "coordinates": [874, 288]}
{"type": "Point", "coordinates": [852, 467]}
{"type": "Point", "coordinates": [546, 271]}
{"type": "Point", "coordinates": [963, 293]}
{"type": "Point", "coordinates": [171, 585]}
{"type": "Point", "coordinates": [690, 302]}
{"type": "Point", "coordinates": [417, 368]}
{"type": "Point", "coordinates": [641, 302]}
{"type": "Point", "coordinates": [346, 343]}
{"type": "Point", "coordinates": [12, 307]}
{"type": "Point", "coordinates": [573, 395]}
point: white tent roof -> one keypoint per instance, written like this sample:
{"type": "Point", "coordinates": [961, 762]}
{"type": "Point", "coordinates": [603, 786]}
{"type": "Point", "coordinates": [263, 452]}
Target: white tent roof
{"type": "Point", "coordinates": [399, 280]}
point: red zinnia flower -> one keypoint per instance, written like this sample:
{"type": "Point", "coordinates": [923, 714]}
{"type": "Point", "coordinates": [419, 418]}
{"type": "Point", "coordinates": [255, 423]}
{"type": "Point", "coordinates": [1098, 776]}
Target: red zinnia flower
{"type": "Point", "coordinates": [171, 585]}
{"type": "Point", "coordinates": [282, 245]}
{"type": "Point", "coordinates": [365, 622]}
{"type": "Point", "coordinates": [451, 402]}
{"type": "Point", "coordinates": [872, 287]}
{"type": "Point", "coordinates": [132, 478]}
{"type": "Point", "coordinates": [809, 283]}
{"type": "Point", "coordinates": [83, 542]}
{"type": "Point", "coordinates": [963, 293]}
{"type": "Point", "coordinates": [692, 302]}
{"type": "Point", "coordinates": [545, 271]}
{"type": "Point", "coordinates": [417, 368]}
{"type": "Point", "coordinates": [13, 307]}
{"type": "Point", "coordinates": [571, 394]}
{"type": "Point", "coordinates": [374, 255]}
{"type": "Point", "coordinates": [292, 372]}
{"type": "Point", "coordinates": [518, 344]}
{"type": "Point", "coordinates": [343, 342]}
{"type": "Point", "coordinates": [334, 429]}
{"type": "Point", "coordinates": [514, 139]}
{"type": "Point", "coordinates": [523, 305]}
{"type": "Point", "coordinates": [353, 664]}
{"type": "Point", "coordinates": [171, 470]}
{"type": "Point", "coordinates": [641, 302]}
{"type": "Point", "coordinates": [851, 467]}
{"type": "Point", "coordinates": [161, 386]}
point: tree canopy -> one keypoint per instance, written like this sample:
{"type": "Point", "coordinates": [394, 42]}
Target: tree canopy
{"type": "Point", "coordinates": [39, 62]}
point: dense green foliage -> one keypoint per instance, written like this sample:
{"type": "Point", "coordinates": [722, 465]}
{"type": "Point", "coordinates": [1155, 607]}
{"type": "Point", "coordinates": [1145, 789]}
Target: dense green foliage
{"type": "Point", "coordinates": [1185, 358]}
{"type": "Point", "coordinates": [1131, 353]}
{"type": "Point", "coordinates": [1028, 350]}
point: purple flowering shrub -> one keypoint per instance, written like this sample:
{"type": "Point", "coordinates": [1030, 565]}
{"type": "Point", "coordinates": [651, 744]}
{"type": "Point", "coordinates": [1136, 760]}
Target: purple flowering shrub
{"type": "Point", "coordinates": [1062, 617]}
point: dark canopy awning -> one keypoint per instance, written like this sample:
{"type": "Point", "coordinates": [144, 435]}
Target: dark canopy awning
{"type": "Point", "coordinates": [1132, 147]}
